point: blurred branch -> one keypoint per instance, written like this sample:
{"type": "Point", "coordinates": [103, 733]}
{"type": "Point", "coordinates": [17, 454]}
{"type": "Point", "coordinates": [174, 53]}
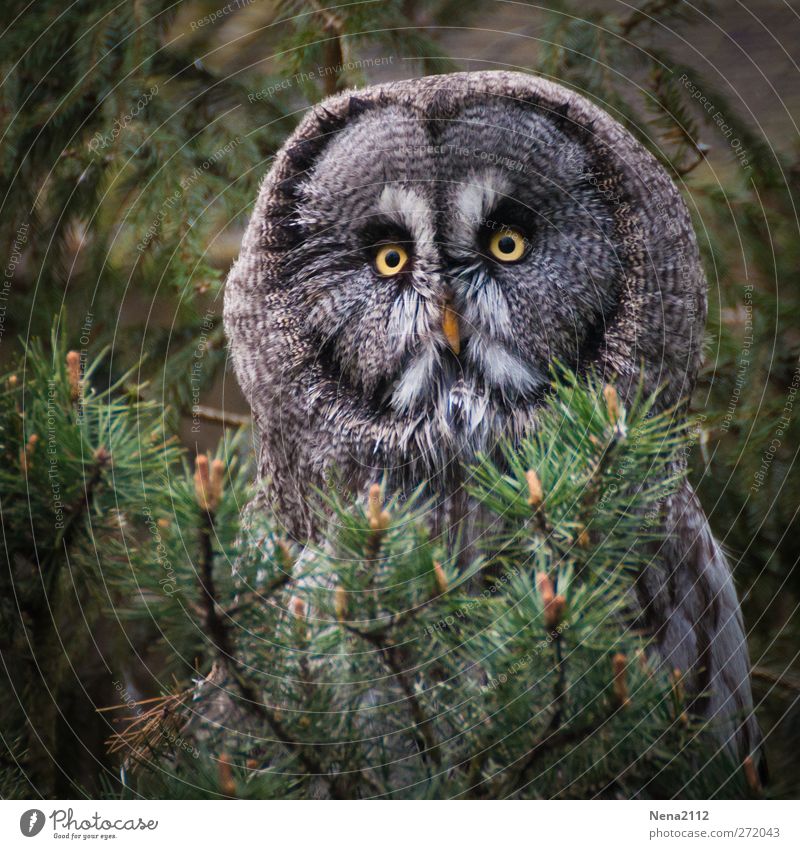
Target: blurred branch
{"type": "Point", "coordinates": [786, 681]}
{"type": "Point", "coordinates": [221, 417]}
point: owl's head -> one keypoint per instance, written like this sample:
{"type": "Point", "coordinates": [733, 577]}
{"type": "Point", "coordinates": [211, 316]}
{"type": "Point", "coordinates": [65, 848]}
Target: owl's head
{"type": "Point", "coordinates": [421, 254]}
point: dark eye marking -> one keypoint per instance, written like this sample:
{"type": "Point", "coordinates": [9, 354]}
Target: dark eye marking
{"type": "Point", "coordinates": [506, 233]}
{"type": "Point", "coordinates": [514, 214]}
{"type": "Point", "coordinates": [388, 246]}
{"type": "Point", "coordinates": [381, 230]}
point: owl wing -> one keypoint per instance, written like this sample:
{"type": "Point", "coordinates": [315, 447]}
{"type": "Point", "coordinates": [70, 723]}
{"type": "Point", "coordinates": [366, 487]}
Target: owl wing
{"type": "Point", "coordinates": [689, 603]}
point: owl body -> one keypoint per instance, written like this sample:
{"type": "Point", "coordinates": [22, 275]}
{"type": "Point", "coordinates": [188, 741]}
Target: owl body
{"type": "Point", "coordinates": [419, 256]}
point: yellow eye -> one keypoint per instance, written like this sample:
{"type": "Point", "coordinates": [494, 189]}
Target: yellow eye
{"type": "Point", "coordinates": [391, 259]}
{"type": "Point", "coordinates": [507, 245]}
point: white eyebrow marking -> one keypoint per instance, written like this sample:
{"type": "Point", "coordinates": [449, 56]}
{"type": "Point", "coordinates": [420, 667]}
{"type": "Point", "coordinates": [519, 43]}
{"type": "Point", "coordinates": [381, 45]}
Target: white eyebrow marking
{"type": "Point", "coordinates": [473, 202]}
{"type": "Point", "coordinates": [410, 210]}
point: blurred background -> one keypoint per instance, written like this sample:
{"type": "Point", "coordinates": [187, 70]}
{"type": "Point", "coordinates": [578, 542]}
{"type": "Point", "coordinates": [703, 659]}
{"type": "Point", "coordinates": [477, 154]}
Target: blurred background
{"type": "Point", "coordinates": [135, 134]}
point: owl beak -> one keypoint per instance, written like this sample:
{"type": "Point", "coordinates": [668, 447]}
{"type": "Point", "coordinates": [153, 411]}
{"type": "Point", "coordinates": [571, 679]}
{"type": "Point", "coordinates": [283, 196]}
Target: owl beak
{"type": "Point", "coordinates": [450, 328]}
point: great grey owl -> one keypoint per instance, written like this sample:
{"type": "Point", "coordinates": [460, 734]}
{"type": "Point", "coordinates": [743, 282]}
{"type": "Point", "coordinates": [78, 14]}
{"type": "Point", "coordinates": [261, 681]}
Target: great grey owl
{"type": "Point", "coordinates": [418, 256]}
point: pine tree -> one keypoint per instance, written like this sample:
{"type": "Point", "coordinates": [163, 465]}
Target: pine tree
{"type": "Point", "coordinates": [370, 667]}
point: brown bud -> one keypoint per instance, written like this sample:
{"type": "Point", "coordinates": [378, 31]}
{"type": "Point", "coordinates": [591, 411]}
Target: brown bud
{"type": "Point", "coordinates": [299, 610]}
{"type": "Point", "coordinates": [227, 785]}
{"type": "Point", "coordinates": [545, 586]}
{"type": "Point", "coordinates": [535, 494]}
{"type": "Point", "coordinates": [163, 523]}
{"type": "Point", "coordinates": [374, 502]}
{"type": "Point", "coordinates": [208, 480]}
{"type": "Point", "coordinates": [440, 577]}
{"type": "Point", "coordinates": [677, 684]}
{"type": "Point", "coordinates": [202, 482]}
{"type": "Point", "coordinates": [251, 763]}
{"type": "Point", "coordinates": [751, 775]}
{"type": "Point", "coordinates": [583, 538]}
{"type": "Point", "coordinates": [619, 664]}
{"type": "Point", "coordinates": [74, 374]}
{"type": "Point", "coordinates": [554, 611]}
{"type": "Point", "coordinates": [26, 455]}
{"type": "Point", "coordinates": [340, 603]}
{"type": "Point", "coordinates": [378, 517]}
{"type": "Point", "coordinates": [217, 479]}
{"type": "Point", "coordinates": [612, 403]}
{"type": "Point", "coordinates": [298, 607]}
{"type": "Point", "coordinates": [552, 604]}
{"type": "Point", "coordinates": [12, 381]}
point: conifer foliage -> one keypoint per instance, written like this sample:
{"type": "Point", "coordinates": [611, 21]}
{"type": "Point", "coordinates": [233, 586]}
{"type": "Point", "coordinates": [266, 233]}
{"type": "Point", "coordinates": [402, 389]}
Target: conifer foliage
{"type": "Point", "coordinates": [371, 665]}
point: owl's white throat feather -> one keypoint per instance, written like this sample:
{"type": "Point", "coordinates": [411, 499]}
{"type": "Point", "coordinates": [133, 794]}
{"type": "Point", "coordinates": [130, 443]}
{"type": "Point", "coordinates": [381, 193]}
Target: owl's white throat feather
{"type": "Point", "coordinates": [459, 392]}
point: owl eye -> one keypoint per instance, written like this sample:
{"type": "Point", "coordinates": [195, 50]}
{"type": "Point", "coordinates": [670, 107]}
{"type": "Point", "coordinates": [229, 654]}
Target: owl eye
{"type": "Point", "coordinates": [390, 259]}
{"type": "Point", "coordinates": [507, 245]}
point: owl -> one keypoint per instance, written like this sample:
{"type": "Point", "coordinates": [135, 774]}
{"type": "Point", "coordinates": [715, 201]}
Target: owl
{"type": "Point", "coordinates": [419, 255]}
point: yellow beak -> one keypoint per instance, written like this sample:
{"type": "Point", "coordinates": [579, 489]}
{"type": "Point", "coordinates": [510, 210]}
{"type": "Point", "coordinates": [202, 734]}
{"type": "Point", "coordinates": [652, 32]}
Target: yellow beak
{"type": "Point", "coordinates": [450, 328]}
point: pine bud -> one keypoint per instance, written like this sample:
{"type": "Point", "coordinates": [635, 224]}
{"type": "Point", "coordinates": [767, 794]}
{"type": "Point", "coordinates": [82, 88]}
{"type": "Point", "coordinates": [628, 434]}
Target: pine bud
{"type": "Point", "coordinates": [583, 539]}
{"type": "Point", "coordinates": [298, 607]}
{"type": "Point", "coordinates": [439, 577]}
{"type": "Point", "coordinates": [619, 664]}
{"type": "Point", "coordinates": [552, 604]}
{"type": "Point", "coordinates": [545, 586]}
{"type": "Point", "coordinates": [208, 480]}
{"type": "Point", "coordinates": [612, 403]}
{"type": "Point", "coordinates": [13, 381]}
{"type": "Point", "coordinates": [74, 374]}
{"type": "Point", "coordinates": [751, 775]}
{"type": "Point", "coordinates": [535, 494]}
{"type": "Point", "coordinates": [378, 517]}
{"type": "Point", "coordinates": [202, 481]}
{"type": "Point", "coordinates": [217, 481]}
{"type": "Point", "coordinates": [614, 411]}
{"type": "Point", "coordinates": [227, 785]}
{"type": "Point", "coordinates": [26, 455]}
{"type": "Point", "coordinates": [163, 524]}
{"type": "Point", "coordinates": [677, 684]}
{"type": "Point", "coordinates": [554, 612]}
{"type": "Point", "coordinates": [340, 603]}
{"type": "Point", "coordinates": [299, 610]}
